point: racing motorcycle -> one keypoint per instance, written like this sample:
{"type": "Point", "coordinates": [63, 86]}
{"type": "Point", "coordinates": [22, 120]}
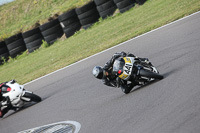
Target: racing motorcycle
{"type": "Point", "coordinates": [133, 70]}
{"type": "Point", "coordinates": [16, 96]}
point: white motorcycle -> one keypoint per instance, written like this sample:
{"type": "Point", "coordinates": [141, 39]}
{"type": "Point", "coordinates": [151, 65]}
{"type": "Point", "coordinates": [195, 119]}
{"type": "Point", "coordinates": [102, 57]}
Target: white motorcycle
{"type": "Point", "coordinates": [16, 96]}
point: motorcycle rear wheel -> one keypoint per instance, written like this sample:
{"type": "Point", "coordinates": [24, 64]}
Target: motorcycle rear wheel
{"type": "Point", "coordinates": [33, 97]}
{"type": "Point", "coordinates": [150, 74]}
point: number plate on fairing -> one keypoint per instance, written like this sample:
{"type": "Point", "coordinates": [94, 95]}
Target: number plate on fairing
{"type": "Point", "coordinates": [127, 69]}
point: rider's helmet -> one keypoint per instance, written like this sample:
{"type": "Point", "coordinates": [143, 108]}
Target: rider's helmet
{"type": "Point", "coordinates": [98, 72]}
{"type": "Point", "coordinates": [5, 88]}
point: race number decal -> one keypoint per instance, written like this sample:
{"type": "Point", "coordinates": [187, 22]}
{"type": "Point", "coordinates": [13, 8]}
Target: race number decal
{"type": "Point", "coordinates": [128, 69]}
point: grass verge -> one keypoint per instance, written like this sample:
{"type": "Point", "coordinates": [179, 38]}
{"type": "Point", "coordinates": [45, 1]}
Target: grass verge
{"type": "Point", "coordinates": [104, 34]}
{"type": "Point", "coordinates": [22, 15]}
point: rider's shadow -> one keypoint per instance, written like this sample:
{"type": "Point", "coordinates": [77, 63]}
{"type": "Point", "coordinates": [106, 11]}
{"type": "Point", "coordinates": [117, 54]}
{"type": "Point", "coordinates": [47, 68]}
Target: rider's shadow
{"type": "Point", "coordinates": [9, 113]}
{"type": "Point", "coordinates": [143, 86]}
{"type": "Point", "coordinates": [152, 82]}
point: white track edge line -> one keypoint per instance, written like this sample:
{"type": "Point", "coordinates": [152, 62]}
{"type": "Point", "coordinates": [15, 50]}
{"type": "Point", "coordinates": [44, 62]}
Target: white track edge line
{"type": "Point", "coordinates": [113, 47]}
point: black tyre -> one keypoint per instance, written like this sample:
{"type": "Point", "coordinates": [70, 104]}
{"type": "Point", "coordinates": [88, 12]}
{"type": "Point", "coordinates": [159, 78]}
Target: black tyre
{"type": "Point", "coordinates": [106, 6]}
{"type": "Point", "coordinates": [68, 22]}
{"type": "Point", "coordinates": [13, 38]}
{"type": "Point", "coordinates": [33, 97]}
{"type": "Point", "coordinates": [51, 30]}
{"type": "Point", "coordinates": [49, 25]}
{"type": "Point", "coordinates": [36, 43]}
{"type": "Point", "coordinates": [32, 32]}
{"type": "Point", "coordinates": [5, 56]}
{"type": "Point", "coordinates": [150, 74]}
{"type": "Point", "coordinates": [50, 39]}
{"type": "Point", "coordinates": [17, 51]}
{"type": "Point", "coordinates": [107, 12]}
{"type": "Point", "coordinates": [33, 38]}
{"type": "Point", "coordinates": [126, 8]}
{"type": "Point", "coordinates": [3, 52]}
{"type": "Point", "coordinates": [67, 15]}
{"type": "Point", "coordinates": [124, 3]}
{"type": "Point", "coordinates": [33, 49]}
{"type": "Point", "coordinates": [3, 48]}
{"type": "Point", "coordinates": [89, 20]}
{"type": "Point", "coordinates": [85, 8]}
{"type": "Point", "coordinates": [15, 45]}
{"type": "Point", "coordinates": [140, 2]}
{"type": "Point", "coordinates": [126, 90]}
{"type": "Point", "coordinates": [88, 13]}
{"type": "Point", "coordinates": [117, 1]}
{"type": "Point", "coordinates": [70, 30]}
{"type": "Point", "coordinates": [100, 2]}
{"type": "Point", "coordinates": [86, 26]}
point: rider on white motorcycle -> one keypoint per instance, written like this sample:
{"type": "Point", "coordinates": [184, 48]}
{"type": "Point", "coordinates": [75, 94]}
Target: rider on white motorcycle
{"type": "Point", "coordinates": [5, 100]}
{"type": "Point", "coordinates": [14, 96]}
{"type": "Point", "coordinates": [108, 78]}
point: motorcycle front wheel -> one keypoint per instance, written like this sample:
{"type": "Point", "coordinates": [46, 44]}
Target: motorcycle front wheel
{"type": "Point", "coordinates": [33, 97]}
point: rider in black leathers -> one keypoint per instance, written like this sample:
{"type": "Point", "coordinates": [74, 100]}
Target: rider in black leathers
{"type": "Point", "coordinates": [109, 78]}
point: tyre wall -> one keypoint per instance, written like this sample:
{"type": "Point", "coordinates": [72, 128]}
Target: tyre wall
{"type": "Point", "coordinates": [33, 39]}
{"type": "Point", "coordinates": [105, 7]}
{"type": "Point", "coordinates": [140, 2]}
{"type": "Point", "coordinates": [3, 52]}
{"type": "Point", "coordinates": [15, 45]}
{"type": "Point", "coordinates": [69, 22]}
{"type": "Point", "coordinates": [87, 14]}
{"type": "Point", "coordinates": [124, 5]}
{"type": "Point", "coordinates": [51, 31]}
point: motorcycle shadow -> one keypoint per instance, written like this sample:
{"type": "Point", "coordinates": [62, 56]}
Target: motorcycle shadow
{"type": "Point", "coordinates": [143, 86]}
{"type": "Point", "coordinates": [9, 113]}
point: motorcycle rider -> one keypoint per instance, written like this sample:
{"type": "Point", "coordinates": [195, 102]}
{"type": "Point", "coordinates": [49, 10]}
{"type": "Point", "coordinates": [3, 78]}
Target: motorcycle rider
{"type": "Point", "coordinates": [4, 100]}
{"type": "Point", "coordinates": [110, 79]}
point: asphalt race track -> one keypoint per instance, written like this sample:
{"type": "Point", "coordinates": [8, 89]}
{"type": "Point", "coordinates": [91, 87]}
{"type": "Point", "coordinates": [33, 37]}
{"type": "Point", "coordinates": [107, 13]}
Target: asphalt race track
{"type": "Point", "coordinates": [171, 105]}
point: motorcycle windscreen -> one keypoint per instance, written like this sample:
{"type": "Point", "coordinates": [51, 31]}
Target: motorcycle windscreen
{"type": "Point", "coordinates": [118, 66]}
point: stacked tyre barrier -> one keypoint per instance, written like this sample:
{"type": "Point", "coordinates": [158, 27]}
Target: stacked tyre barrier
{"type": "Point", "coordinates": [140, 2]}
{"type": "Point", "coordinates": [33, 39]}
{"type": "Point", "coordinates": [87, 14]}
{"type": "Point", "coordinates": [15, 45]}
{"type": "Point", "coordinates": [4, 54]}
{"type": "Point", "coordinates": [124, 5]}
{"type": "Point", "coordinates": [51, 31]}
{"type": "Point", "coordinates": [69, 22]}
{"type": "Point", "coordinates": [105, 7]}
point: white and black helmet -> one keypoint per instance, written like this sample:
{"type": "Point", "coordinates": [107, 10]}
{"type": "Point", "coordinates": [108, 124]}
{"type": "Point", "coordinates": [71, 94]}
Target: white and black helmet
{"type": "Point", "coordinates": [98, 72]}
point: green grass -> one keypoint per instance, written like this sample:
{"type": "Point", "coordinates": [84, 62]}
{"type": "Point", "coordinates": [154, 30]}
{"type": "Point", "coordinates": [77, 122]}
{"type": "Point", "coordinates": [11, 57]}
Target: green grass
{"type": "Point", "coordinates": [104, 34]}
{"type": "Point", "coordinates": [21, 15]}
